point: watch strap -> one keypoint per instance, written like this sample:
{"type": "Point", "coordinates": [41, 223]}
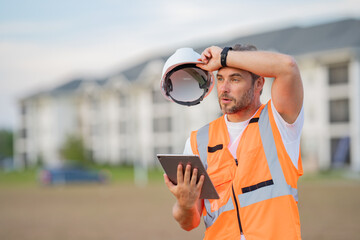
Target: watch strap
{"type": "Point", "coordinates": [223, 55]}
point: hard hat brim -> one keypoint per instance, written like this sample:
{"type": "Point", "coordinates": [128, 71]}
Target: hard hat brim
{"type": "Point", "coordinates": [186, 92]}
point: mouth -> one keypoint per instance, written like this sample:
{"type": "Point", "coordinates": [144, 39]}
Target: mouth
{"type": "Point", "coordinates": [225, 99]}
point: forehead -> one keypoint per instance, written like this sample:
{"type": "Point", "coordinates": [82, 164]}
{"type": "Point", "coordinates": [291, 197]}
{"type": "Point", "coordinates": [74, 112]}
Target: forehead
{"type": "Point", "coordinates": [228, 72]}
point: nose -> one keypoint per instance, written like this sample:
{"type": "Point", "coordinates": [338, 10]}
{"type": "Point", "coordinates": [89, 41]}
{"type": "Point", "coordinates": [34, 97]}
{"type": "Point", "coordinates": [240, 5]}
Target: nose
{"type": "Point", "coordinates": [223, 87]}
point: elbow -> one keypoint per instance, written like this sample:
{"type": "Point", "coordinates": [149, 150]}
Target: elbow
{"type": "Point", "coordinates": [189, 227]}
{"type": "Point", "coordinates": [287, 68]}
{"type": "Point", "coordinates": [187, 219]}
{"type": "Point", "coordinates": [290, 64]}
{"type": "Point", "coordinates": [187, 224]}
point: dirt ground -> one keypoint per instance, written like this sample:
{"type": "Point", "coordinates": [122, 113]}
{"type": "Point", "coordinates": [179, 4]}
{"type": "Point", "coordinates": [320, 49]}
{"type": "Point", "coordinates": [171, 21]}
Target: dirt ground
{"type": "Point", "coordinates": [328, 211]}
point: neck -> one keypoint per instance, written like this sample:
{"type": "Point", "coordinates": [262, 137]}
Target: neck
{"type": "Point", "coordinates": [244, 114]}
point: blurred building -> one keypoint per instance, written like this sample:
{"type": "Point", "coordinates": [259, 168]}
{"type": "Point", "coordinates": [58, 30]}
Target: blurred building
{"type": "Point", "coordinates": [125, 119]}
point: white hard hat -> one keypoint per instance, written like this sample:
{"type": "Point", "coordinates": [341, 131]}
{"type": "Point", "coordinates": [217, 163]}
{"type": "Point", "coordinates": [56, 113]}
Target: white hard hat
{"type": "Point", "coordinates": [182, 81]}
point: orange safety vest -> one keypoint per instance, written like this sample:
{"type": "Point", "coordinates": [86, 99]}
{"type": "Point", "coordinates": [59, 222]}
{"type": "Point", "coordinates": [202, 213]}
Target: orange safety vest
{"type": "Point", "coordinates": [258, 189]}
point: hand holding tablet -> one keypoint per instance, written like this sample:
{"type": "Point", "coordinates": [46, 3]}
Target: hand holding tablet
{"type": "Point", "coordinates": [170, 162]}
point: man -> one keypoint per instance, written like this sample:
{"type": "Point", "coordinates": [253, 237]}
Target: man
{"type": "Point", "coordinates": [251, 152]}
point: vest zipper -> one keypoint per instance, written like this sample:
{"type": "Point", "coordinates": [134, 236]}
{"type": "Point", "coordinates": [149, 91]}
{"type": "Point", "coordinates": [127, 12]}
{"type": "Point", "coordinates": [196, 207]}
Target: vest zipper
{"type": "Point", "coordinates": [237, 209]}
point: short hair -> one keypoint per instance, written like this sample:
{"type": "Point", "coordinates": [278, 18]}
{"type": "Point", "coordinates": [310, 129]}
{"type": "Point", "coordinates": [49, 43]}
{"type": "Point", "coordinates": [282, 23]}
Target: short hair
{"type": "Point", "coordinates": [246, 47]}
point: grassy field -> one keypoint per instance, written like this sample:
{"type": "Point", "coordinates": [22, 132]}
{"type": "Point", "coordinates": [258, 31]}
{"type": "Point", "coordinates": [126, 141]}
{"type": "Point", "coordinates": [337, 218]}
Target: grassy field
{"type": "Point", "coordinates": [329, 209]}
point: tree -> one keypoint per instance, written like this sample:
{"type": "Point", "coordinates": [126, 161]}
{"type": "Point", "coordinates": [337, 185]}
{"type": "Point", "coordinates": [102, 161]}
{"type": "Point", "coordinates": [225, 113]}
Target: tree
{"type": "Point", "coordinates": [6, 143]}
{"type": "Point", "coordinates": [74, 150]}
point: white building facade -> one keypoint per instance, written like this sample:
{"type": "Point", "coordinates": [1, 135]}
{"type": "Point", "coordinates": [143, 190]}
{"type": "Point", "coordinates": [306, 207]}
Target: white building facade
{"type": "Point", "coordinates": [124, 119]}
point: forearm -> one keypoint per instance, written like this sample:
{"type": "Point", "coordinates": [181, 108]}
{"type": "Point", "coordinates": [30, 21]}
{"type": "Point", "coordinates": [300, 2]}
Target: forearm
{"type": "Point", "coordinates": [187, 218]}
{"type": "Point", "coordinates": [287, 88]}
{"type": "Point", "coordinates": [188, 207]}
{"type": "Point", "coordinates": [266, 64]}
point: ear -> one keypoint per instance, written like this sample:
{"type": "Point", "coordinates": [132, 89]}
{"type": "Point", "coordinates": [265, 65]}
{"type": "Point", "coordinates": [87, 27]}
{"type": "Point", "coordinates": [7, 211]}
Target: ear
{"type": "Point", "coordinates": [259, 84]}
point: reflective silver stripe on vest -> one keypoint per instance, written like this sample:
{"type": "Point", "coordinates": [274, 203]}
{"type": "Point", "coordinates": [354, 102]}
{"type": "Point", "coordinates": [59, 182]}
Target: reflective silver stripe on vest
{"type": "Point", "coordinates": [202, 139]}
{"type": "Point", "coordinates": [280, 186]}
{"type": "Point", "coordinates": [211, 217]}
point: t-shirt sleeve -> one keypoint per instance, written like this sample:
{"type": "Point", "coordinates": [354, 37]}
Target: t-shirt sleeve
{"type": "Point", "coordinates": [290, 133]}
{"type": "Point", "coordinates": [187, 149]}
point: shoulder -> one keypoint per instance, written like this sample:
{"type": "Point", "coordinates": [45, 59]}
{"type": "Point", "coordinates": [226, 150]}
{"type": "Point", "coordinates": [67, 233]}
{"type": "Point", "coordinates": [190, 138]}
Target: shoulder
{"type": "Point", "coordinates": [289, 131]}
{"type": "Point", "coordinates": [200, 135]}
{"type": "Point", "coordinates": [215, 123]}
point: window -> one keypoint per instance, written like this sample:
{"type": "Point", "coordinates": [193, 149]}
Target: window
{"type": "Point", "coordinates": [338, 73]}
{"type": "Point", "coordinates": [162, 124]}
{"type": "Point", "coordinates": [340, 151]}
{"type": "Point", "coordinates": [94, 130]}
{"type": "Point", "coordinates": [122, 100]}
{"type": "Point", "coordinates": [23, 109]}
{"type": "Point", "coordinates": [25, 159]}
{"type": "Point", "coordinates": [161, 150]}
{"type": "Point", "coordinates": [94, 103]}
{"type": "Point", "coordinates": [339, 110]}
{"type": "Point", "coordinates": [123, 154]}
{"type": "Point", "coordinates": [157, 97]}
{"type": "Point", "coordinates": [23, 133]}
{"type": "Point", "coordinates": [122, 127]}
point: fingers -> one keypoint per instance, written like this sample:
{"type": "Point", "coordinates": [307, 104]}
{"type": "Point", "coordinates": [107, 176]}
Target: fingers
{"type": "Point", "coordinates": [200, 183]}
{"type": "Point", "coordinates": [206, 56]}
{"type": "Point", "coordinates": [168, 183]}
{"type": "Point", "coordinates": [179, 174]}
{"type": "Point", "coordinates": [204, 67]}
{"type": "Point", "coordinates": [183, 177]}
{"type": "Point", "coordinates": [210, 59]}
{"type": "Point", "coordinates": [207, 53]}
{"type": "Point", "coordinates": [187, 177]}
{"type": "Point", "coordinates": [194, 177]}
{"type": "Point", "coordinates": [189, 186]}
{"type": "Point", "coordinates": [187, 173]}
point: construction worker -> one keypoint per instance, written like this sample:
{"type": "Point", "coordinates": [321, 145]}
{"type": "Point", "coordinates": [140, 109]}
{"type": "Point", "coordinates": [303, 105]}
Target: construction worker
{"type": "Point", "coordinates": [252, 152]}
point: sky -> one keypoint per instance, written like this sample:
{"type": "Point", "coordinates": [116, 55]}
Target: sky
{"type": "Point", "coordinates": [44, 43]}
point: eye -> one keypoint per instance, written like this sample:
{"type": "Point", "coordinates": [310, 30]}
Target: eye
{"type": "Point", "coordinates": [220, 79]}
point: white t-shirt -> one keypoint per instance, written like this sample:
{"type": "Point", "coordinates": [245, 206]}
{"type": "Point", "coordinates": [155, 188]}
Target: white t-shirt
{"type": "Point", "coordinates": [290, 134]}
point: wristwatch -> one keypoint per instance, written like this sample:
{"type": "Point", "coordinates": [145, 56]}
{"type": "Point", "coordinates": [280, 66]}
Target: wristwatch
{"type": "Point", "coordinates": [223, 55]}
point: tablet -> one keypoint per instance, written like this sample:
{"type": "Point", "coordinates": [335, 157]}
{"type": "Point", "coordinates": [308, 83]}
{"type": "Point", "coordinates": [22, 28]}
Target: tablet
{"type": "Point", "coordinates": [170, 162]}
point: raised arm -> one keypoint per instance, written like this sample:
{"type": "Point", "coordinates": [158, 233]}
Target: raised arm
{"type": "Point", "coordinates": [287, 89]}
{"type": "Point", "coordinates": [188, 207]}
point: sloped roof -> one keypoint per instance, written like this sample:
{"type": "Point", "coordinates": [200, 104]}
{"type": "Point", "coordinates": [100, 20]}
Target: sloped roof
{"type": "Point", "coordinates": [293, 41]}
{"type": "Point", "coordinates": [69, 86]}
{"type": "Point", "coordinates": [301, 40]}
{"type": "Point", "coordinates": [133, 72]}
{"type": "Point", "coordinates": [75, 84]}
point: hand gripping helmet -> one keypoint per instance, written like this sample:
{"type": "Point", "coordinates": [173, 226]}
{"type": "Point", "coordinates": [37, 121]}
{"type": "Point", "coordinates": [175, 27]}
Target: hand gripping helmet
{"type": "Point", "coordinates": [182, 81]}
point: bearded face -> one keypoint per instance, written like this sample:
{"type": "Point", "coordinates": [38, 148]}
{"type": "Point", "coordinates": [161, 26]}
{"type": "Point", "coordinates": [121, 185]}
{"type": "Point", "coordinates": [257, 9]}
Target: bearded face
{"type": "Point", "coordinates": [235, 90]}
{"type": "Point", "coordinates": [232, 104]}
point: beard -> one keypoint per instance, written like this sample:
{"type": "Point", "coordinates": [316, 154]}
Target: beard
{"type": "Point", "coordinates": [237, 105]}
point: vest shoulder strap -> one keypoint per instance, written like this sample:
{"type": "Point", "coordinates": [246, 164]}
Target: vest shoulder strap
{"type": "Point", "coordinates": [202, 139]}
